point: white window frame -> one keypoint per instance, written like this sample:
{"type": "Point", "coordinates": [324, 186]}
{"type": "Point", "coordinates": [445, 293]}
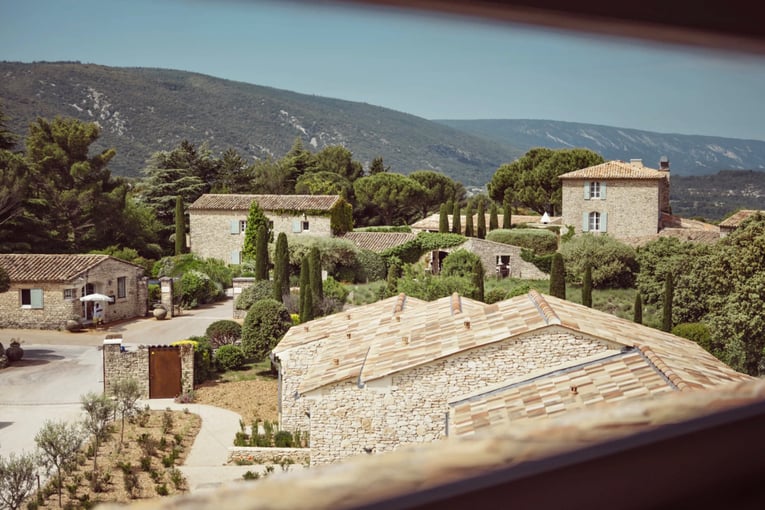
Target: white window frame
{"type": "Point", "coordinates": [242, 226]}
{"type": "Point", "coordinates": [595, 189]}
{"type": "Point", "coordinates": [593, 221]}
{"type": "Point", "coordinates": [305, 225]}
{"type": "Point", "coordinates": [122, 286]}
{"type": "Point", "coordinates": [70, 294]}
{"type": "Point", "coordinates": [32, 303]}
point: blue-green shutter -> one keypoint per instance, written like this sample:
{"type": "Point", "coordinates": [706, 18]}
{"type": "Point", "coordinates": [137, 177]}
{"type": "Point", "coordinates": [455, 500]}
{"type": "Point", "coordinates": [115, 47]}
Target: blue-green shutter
{"type": "Point", "coordinates": [603, 190]}
{"type": "Point", "coordinates": [603, 221]}
{"type": "Point", "coordinates": [36, 296]}
{"type": "Point", "coordinates": [585, 222]}
{"type": "Point", "coordinates": [235, 257]}
{"type": "Point", "coordinates": [296, 226]}
{"type": "Point", "coordinates": [586, 190]}
{"type": "Point", "coordinates": [234, 226]}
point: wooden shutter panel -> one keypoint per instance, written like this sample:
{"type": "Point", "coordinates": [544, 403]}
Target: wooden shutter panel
{"type": "Point", "coordinates": [603, 221]}
{"type": "Point", "coordinates": [585, 222]}
{"type": "Point", "coordinates": [36, 297]}
{"type": "Point", "coordinates": [234, 226]}
{"type": "Point", "coordinates": [235, 257]}
{"type": "Point", "coordinates": [296, 226]}
{"type": "Point", "coordinates": [603, 190]}
{"type": "Point", "coordinates": [586, 190]}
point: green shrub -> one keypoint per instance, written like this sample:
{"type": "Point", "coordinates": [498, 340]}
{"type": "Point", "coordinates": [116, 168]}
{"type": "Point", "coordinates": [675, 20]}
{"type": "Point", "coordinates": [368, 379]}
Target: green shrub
{"type": "Point", "coordinates": [155, 293]}
{"type": "Point", "coordinates": [459, 263]}
{"type": "Point", "coordinates": [495, 296]}
{"type": "Point", "coordinates": [335, 290]}
{"type": "Point", "coordinates": [203, 359]}
{"type": "Point", "coordinates": [261, 289]}
{"type": "Point", "coordinates": [335, 252]}
{"type": "Point", "coordinates": [411, 251]}
{"type": "Point", "coordinates": [542, 262]}
{"type": "Point", "coordinates": [223, 332]}
{"type": "Point", "coordinates": [197, 288]}
{"type": "Point", "coordinates": [520, 290]}
{"type": "Point", "coordinates": [370, 267]}
{"type": "Point", "coordinates": [417, 283]}
{"type": "Point", "coordinates": [283, 439]}
{"type": "Point", "coordinates": [230, 357]}
{"type": "Point", "coordinates": [540, 241]}
{"type": "Point", "coordinates": [699, 333]}
{"type": "Point", "coordinates": [614, 264]}
{"type": "Point", "coordinates": [265, 324]}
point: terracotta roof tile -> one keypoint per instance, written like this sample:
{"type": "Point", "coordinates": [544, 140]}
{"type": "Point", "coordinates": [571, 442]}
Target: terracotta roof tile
{"type": "Point", "coordinates": [735, 219]}
{"type": "Point", "coordinates": [378, 241]}
{"type": "Point", "coordinates": [614, 170]}
{"type": "Point", "coordinates": [48, 267]}
{"type": "Point", "coordinates": [234, 202]}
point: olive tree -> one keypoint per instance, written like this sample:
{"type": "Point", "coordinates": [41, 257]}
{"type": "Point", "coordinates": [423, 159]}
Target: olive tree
{"type": "Point", "coordinates": [18, 474]}
{"type": "Point", "coordinates": [59, 442]}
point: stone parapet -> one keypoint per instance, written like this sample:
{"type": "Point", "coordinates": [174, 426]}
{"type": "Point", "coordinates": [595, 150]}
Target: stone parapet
{"type": "Point", "coordinates": [260, 455]}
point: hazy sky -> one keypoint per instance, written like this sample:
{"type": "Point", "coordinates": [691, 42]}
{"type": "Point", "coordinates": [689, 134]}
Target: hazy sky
{"type": "Point", "coordinates": [433, 67]}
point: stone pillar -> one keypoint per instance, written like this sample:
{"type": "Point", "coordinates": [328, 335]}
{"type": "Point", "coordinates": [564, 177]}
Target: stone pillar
{"type": "Point", "coordinates": [166, 294]}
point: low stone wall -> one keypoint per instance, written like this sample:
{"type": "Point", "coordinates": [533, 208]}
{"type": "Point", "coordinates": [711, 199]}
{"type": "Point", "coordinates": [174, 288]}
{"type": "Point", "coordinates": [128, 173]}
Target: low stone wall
{"type": "Point", "coordinates": [239, 284]}
{"type": "Point", "coordinates": [260, 455]}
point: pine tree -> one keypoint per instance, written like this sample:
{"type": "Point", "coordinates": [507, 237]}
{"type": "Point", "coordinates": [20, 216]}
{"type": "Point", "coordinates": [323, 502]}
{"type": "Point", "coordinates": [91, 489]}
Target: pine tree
{"type": "Point", "coordinates": [666, 317]}
{"type": "Point", "coordinates": [261, 254]}
{"type": "Point", "coordinates": [557, 277]}
{"type": "Point", "coordinates": [314, 278]}
{"type": "Point", "coordinates": [306, 297]}
{"type": "Point", "coordinates": [507, 217]}
{"type": "Point", "coordinates": [180, 226]}
{"type": "Point", "coordinates": [443, 220]}
{"type": "Point", "coordinates": [456, 220]}
{"type": "Point", "coordinates": [469, 222]}
{"type": "Point", "coordinates": [587, 286]}
{"type": "Point", "coordinates": [481, 229]}
{"type": "Point", "coordinates": [281, 268]}
{"type": "Point", "coordinates": [493, 217]}
{"type": "Point", "coordinates": [477, 275]}
{"type": "Point", "coordinates": [638, 314]}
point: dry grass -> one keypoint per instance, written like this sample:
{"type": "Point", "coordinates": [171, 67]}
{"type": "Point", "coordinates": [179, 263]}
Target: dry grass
{"type": "Point", "coordinates": [251, 399]}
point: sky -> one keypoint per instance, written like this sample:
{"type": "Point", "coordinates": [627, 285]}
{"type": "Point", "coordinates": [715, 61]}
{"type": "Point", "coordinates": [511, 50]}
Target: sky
{"type": "Point", "coordinates": [431, 66]}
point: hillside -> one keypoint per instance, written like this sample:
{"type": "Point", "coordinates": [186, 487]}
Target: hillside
{"type": "Point", "coordinates": [142, 111]}
{"type": "Point", "coordinates": [715, 196]}
{"type": "Point", "coordinates": [688, 154]}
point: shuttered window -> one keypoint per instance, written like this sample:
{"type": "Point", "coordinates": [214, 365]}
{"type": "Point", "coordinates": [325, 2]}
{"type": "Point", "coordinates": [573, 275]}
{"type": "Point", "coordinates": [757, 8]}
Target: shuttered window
{"type": "Point", "coordinates": [31, 298]}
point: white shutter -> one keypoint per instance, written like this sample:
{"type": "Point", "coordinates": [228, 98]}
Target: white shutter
{"type": "Point", "coordinates": [36, 296]}
{"type": "Point", "coordinates": [234, 226]}
{"type": "Point", "coordinates": [603, 190]}
{"type": "Point", "coordinates": [585, 222]}
{"type": "Point", "coordinates": [603, 221]}
{"type": "Point", "coordinates": [235, 257]}
{"type": "Point", "coordinates": [296, 226]}
{"type": "Point", "coordinates": [586, 190]}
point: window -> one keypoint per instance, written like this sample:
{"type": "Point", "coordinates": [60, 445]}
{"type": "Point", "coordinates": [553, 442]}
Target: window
{"type": "Point", "coordinates": [122, 287]}
{"type": "Point", "coordinates": [594, 222]}
{"type": "Point", "coordinates": [594, 189]}
{"type": "Point", "coordinates": [31, 298]}
{"type": "Point", "coordinates": [242, 225]}
{"type": "Point", "coordinates": [304, 225]}
{"type": "Point", "coordinates": [70, 294]}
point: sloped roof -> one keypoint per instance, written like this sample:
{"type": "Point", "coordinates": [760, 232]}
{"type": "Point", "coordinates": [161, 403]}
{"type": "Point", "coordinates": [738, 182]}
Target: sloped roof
{"type": "Point", "coordinates": [735, 219]}
{"type": "Point", "coordinates": [33, 267]}
{"type": "Point", "coordinates": [235, 202]}
{"type": "Point", "coordinates": [385, 345]}
{"type": "Point", "coordinates": [378, 241]}
{"type": "Point", "coordinates": [615, 170]}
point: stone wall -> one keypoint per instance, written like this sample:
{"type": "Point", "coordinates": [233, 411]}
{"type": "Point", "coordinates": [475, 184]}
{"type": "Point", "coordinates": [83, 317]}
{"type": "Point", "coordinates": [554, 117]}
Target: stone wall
{"type": "Point", "coordinates": [57, 309]}
{"type": "Point", "coordinates": [488, 251]}
{"type": "Point", "coordinates": [239, 284]}
{"type": "Point", "coordinates": [293, 408]}
{"type": "Point", "coordinates": [255, 455]}
{"type": "Point", "coordinates": [632, 206]}
{"type": "Point", "coordinates": [210, 232]}
{"type": "Point", "coordinates": [134, 364]}
{"type": "Point", "coordinates": [412, 406]}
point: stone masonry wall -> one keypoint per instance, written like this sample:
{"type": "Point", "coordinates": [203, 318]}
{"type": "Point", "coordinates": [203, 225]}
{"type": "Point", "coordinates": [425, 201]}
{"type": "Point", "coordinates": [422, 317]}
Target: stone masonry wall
{"type": "Point", "coordinates": [255, 455]}
{"type": "Point", "coordinates": [239, 284]}
{"type": "Point", "coordinates": [413, 406]}
{"type": "Point", "coordinates": [488, 251]}
{"type": "Point", "coordinates": [295, 363]}
{"type": "Point", "coordinates": [210, 231]}
{"type": "Point", "coordinates": [632, 206]}
{"type": "Point", "coordinates": [134, 364]}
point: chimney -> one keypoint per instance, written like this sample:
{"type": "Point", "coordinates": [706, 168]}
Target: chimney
{"type": "Point", "coordinates": [636, 162]}
{"type": "Point", "coordinates": [664, 164]}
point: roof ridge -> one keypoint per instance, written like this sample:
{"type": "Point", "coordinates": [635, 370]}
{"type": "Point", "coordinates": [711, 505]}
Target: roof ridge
{"type": "Point", "coordinates": [400, 302]}
{"type": "Point", "coordinates": [662, 367]}
{"type": "Point", "coordinates": [456, 303]}
{"type": "Point", "coordinates": [543, 307]}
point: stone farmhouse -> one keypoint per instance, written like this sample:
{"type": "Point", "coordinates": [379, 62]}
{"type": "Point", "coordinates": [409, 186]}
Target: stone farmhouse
{"type": "Point", "coordinates": [403, 371]}
{"type": "Point", "coordinates": [45, 289]}
{"type": "Point", "coordinates": [622, 199]}
{"type": "Point", "coordinates": [217, 223]}
{"type": "Point", "coordinates": [731, 223]}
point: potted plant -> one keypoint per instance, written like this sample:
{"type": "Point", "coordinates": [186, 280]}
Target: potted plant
{"type": "Point", "coordinates": [160, 312]}
{"type": "Point", "coordinates": [14, 352]}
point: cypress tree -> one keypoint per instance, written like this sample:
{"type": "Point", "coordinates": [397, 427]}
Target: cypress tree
{"type": "Point", "coordinates": [314, 278]}
{"type": "Point", "coordinates": [666, 317]}
{"type": "Point", "coordinates": [557, 277]}
{"type": "Point", "coordinates": [443, 220]}
{"type": "Point", "coordinates": [469, 222]}
{"type": "Point", "coordinates": [306, 296]}
{"type": "Point", "coordinates": [493, 217]}
{"type": "Point", "coordinates": [456, 221]}
{"type": "Point", "coordinates": [180, 226]}
{"type": "Point", "coordinates": [391, 282]}
{"type": "Point", "coordinates": [507, 217]}
{"type": "Point", "coordinates": [638, 314]}
{"type": "Point", "coordinates": [587, 286]}
{"type": "Point", "coordinates": [261, 254]}
{"type": "Point", "coordinates": [281, 268]}
{"type": "Point", "coordinates": [481, 229]}
{"type": "Point", "coordinates": [477, 275]}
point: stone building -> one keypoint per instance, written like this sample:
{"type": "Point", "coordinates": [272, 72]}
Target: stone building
{"type": "Point", "coordinates": [732, 222]}
{"type": "Point", "coordinates": [404, 371]}
{"type": "Point", "coordinates": [217, 223]}
{"type": "Point", "coordinates": [45, 289]}
{"type": "Point", "coordinates": [622, 199]}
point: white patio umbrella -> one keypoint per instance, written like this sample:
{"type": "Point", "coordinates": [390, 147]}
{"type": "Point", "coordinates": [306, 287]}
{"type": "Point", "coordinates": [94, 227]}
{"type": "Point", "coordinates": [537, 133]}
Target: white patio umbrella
{"type": "Point", "coordinates": [96, 297]}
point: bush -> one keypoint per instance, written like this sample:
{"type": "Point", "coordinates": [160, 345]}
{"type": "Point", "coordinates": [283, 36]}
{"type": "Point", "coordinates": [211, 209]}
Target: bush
{"type": "Point", "coordinates": [417, 283]}
{"type": "Point", "coordinates": [459, 263]}
{"type": "Point", "coordinates": [411, 251]}
{"type": "Point", "coordinates": [230, 357]}
{"type": "Point", "coordinates": [542, 262]}
{"type": "Point", "coordinates": [197, 288]}
{"type": "Point", "coordinates": [335, 252]}
{"type": "Point", "coordinates": [265, 324]}
{"type": "Point", "coordinates": [495, 296]}
{"type": "Point", "coordinates": [540, 241]}
{"type": "Point", "coordinates": [699, 333]}
{"type": "Point", "coordinates": [370, 267]}
{"type": "Point", "coordinates": [203, 365]}
{"type": "Point", "coordinates": [614, 264]}
{"type": "Point", "coordinates": [223, 332]}
{"type": "Point", "coordinates": [261, 289]}
{"type": "Point", "coordinates": [283, 439]}
{"type": "Point", "coordinates": [335, 290]}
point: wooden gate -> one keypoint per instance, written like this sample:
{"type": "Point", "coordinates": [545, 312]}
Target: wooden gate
{"type": "Point", "coordinates": [164, 372]}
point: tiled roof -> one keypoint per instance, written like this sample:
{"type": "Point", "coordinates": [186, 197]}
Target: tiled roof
{"type": "Point", "coordinates": [611, 378]}
{"type": "Point", "coordinates": [378, 241]}
{"type": "Point", "coordinates": [382, 344]}
{"type": "Point", "coordinates": [615, 170]}
{"type": "Point", "coordinates": [266, 202]}
{"type": "Point", "coordinates": [47, 268]}
{"type": "Point", "coordinates": [735, 220]}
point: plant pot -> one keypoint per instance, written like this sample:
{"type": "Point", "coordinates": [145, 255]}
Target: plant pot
{"type": "Point", "coordinates": [73, 325]}
{"type": "Point", "coordinates": [14, 352]}
{"type": "Point", "coordinates": [159, 313]}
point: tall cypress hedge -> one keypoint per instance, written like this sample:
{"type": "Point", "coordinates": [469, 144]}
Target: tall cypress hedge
{"type": "Point", "coordinates": [557, 277]}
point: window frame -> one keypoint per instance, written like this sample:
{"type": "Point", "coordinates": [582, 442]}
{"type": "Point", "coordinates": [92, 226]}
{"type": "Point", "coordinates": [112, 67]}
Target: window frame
{"type": "Point", "coordinates": [70, 294]}
{"type": "Point", "coordinates": [595, 189]}
{"type": "Point", "coordinates": [305, 226]}
{"type": "Point", "coordinates": [30, 293]}
{"type": "Point", "coordinates": [121, 287]}
{"type": "Point", "coordinates": [594, 221]}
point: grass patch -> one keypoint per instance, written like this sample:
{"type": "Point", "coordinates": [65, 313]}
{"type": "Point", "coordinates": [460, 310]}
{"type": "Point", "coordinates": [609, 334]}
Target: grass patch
{"type": "Point", "coordinates": [250, 371]}
{"type": "Point", "coordinates": [365, 293]}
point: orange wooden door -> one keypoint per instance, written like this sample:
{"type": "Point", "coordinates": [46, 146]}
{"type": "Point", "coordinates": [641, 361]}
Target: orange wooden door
{"type": "Point", "coordinates": [164, 372]}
